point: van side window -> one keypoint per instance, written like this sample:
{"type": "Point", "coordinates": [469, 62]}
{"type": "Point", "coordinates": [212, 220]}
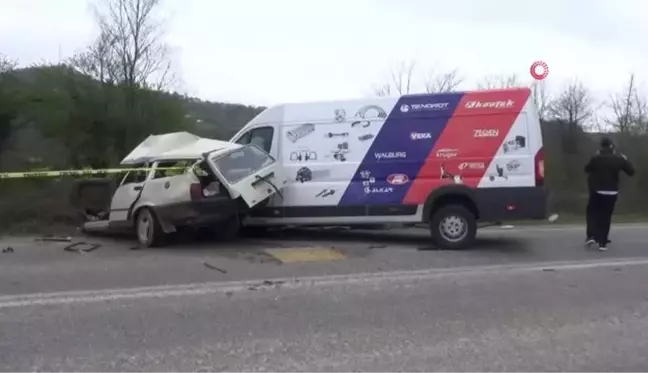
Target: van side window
{"type": "Point", "coordinates": [261, 137]}
{"type": "Point", "coordinates": [133, 177]}
{"type": "Point", "coordinates": [180, 165]}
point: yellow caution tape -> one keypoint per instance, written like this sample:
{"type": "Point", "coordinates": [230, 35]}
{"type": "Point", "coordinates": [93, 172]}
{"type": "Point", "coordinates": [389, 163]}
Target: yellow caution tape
{"type": "Point", "coordinates": [32, 174]}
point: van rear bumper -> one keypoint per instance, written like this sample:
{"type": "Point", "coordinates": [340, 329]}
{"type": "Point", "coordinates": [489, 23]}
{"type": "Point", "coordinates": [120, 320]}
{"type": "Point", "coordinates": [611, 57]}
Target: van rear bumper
{"type": "Point", "coordinates": [519, 203]}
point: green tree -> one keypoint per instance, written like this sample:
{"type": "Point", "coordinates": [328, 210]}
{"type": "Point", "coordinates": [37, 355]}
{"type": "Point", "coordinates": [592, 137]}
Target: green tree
{"type": "Point", "coordinates": [8, 98]}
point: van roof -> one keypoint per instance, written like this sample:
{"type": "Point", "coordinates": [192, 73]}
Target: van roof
{"type": "Point", "coordinates": [321, 110]}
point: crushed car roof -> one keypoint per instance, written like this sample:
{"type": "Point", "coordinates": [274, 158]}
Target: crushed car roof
{"type": "Point", "coordinates": [176, 145]}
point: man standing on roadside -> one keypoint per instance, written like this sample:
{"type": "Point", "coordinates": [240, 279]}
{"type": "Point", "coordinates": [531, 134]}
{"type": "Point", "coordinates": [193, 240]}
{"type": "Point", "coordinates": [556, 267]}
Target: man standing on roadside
{"type": "Point", "coordinates": [603, 183]}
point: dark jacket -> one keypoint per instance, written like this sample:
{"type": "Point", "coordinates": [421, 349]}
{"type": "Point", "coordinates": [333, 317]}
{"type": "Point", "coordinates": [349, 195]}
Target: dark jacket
{"type": "Point", "coordinates": [603, 170]}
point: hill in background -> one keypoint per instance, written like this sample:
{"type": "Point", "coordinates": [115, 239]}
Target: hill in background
{"type": "Point", "coordinates": [28, 145]}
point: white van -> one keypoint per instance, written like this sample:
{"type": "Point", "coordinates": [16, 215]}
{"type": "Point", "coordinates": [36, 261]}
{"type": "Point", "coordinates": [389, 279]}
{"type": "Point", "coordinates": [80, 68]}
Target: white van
{"type": "Point", "coordinates": [448, 160]}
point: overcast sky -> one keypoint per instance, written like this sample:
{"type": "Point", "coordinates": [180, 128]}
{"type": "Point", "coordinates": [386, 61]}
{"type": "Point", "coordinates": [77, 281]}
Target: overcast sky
{"type": "Point", "coordinates": [264, 52]}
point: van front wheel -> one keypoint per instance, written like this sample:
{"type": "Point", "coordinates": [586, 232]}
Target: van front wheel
{"type": "Point", "coordinates": [453, 227]}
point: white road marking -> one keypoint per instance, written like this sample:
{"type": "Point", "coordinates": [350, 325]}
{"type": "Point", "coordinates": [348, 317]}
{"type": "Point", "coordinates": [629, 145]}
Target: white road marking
{"type": "Point", "coordinates": [558, 228]}
{"type": "Point", "coordinates": [92, 296]}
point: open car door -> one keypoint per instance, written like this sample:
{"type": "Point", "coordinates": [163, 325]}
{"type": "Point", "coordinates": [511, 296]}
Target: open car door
{"type": "Point", "coordinates": [248, 172]}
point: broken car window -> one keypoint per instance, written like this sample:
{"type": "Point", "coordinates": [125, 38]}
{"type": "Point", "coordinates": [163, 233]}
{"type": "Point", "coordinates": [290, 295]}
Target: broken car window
{"type": "Point", "coordinates": [242, 163]}
{"type": "Point", "coordinates": [135, 176]}
{"type": "Point", "coordinates": [179, 168]}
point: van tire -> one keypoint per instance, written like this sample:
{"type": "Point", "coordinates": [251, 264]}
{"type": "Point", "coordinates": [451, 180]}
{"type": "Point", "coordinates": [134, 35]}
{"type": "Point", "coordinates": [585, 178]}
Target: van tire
{"type": "Point", "coordinates": [453, 227]}
{"type": "Point", "coordinates": [148, 229]}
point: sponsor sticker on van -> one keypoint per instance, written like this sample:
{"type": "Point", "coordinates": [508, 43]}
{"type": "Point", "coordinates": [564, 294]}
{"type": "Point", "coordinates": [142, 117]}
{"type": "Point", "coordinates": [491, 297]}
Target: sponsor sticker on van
{"type": "Point", "coordinates": [447, 153]}
{"type": "Point", "coordinates": [490, 104]}
{"type": "Point", "coordinates": [378, 190]}
{"type": "Point", "coordinates": [397, 179]}
{"type": "Point", "coordinates": [513, 165]}
{"type": "Point", "coordinates": [429, 106]}
{"type": "Point", "coordinates": [472, 166]}
{"type": "Point", "coordinates": [485, 133]}
{"type": "Point", "coordinates": [420, 135]}
{"type": "Point", "coordinates": [390, 155]}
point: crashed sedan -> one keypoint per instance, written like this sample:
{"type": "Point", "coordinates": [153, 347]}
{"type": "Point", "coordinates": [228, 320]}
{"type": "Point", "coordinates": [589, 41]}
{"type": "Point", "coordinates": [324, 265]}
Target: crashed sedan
{"type": "Point", "coordinates": [189, 181]}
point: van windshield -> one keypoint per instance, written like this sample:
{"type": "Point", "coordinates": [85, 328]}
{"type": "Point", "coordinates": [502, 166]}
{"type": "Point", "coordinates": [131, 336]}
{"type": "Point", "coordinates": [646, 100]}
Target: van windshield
{"type": "Point", "coordinates": [241, 163]}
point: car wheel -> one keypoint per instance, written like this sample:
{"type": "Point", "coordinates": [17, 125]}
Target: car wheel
{"type": "Point", "coordinates": [453, 227]}
{"type": "Point", "coordinates": [148, 229]}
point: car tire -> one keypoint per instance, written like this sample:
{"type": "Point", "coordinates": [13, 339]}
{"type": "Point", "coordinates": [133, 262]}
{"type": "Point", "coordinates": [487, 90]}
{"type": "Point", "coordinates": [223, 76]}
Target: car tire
{"type": "Point", "coordinates": [453, 227]}
{"type": "Point", "coordinates": [148, 229]}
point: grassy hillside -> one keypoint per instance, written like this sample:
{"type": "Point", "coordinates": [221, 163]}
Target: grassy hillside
{"type": "Point", "coordinates": [52, 116]}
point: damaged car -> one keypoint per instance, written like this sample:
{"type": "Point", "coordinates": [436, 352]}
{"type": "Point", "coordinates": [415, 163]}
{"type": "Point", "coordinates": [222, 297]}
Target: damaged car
{"type": "Point", "coordinates": [180, 180]}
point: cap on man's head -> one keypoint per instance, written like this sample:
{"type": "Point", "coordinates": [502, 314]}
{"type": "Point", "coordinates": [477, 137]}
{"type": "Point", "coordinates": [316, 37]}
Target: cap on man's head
{"type": "Point", "coordinates": [606, 142]}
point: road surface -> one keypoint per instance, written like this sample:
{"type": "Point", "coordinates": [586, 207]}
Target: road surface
{"type": "Point", "coordinates": [523, 299]}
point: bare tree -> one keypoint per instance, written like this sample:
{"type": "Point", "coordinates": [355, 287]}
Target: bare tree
{"type": "Point", "coordinates": [499, 82]}
{"type": "Point", "coordinates": [541, 99]}
{"type": "Point", "coordinates": [573, 109]}
{"type": "Point", "coordinates": [442, 82]}
{"type": "Point", "coordinates": [400, 80]}
{"type": "Point", "coordinates": [6, 64]}
{"type": "Point", "coordinates": [130, 49]}
{"type": "Point", "coordinates": [383, 90]}
{"type": "Point", "coordinates": [629, 110]}
{"type": "Point", "coordinates": [574, 105]}
{"type": "Point", "coordinates": [99, 61]}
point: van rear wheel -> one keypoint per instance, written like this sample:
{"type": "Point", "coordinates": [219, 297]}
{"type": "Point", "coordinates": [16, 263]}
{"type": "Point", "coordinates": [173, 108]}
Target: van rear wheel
{"type": "Point", "coordinates": [453, 227]}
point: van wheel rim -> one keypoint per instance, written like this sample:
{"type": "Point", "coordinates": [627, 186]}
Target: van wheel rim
{"type": "Point", "coordinates": [144, 227]}
{"type": "Point", "coordinates": [453, 228]}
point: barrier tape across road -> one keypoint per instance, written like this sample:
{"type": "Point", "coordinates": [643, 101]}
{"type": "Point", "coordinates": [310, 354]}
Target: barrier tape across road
{"type": "Point", "coordinates": [34, 174]}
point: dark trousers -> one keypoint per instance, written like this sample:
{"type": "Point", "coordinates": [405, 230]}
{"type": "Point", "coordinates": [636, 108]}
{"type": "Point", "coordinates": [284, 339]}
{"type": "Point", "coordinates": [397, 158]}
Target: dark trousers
{"type": "Point", "coordinates": [599, 216]}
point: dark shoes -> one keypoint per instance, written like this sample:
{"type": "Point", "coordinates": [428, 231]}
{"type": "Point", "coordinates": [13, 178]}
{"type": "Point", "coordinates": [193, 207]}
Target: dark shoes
{"type": "Point", "coordinates": [590, 242]}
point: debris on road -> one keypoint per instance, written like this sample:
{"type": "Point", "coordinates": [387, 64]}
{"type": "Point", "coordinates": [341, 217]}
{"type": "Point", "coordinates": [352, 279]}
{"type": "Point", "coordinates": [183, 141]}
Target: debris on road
{"type": "Point", "coordinates": [55, 239]}
{"type": "Point", "coordinates": [266, 284]}
{"type": "Point", "coordinates": [8, 250]}
{"type": "Point", "coordinates": [211, 266]}
{"type": "Point", "coordinates": [75, 247]}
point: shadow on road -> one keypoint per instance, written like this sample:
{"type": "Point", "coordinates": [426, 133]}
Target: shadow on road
{"type": "Point", "coordinates": [377, 239]}
{"type": "Point", "coordinates": [407, 239]}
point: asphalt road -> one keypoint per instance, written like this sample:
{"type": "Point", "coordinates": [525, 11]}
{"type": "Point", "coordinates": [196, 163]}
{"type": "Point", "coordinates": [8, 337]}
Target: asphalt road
{"type": "Point", "coordinates": [523, 299]}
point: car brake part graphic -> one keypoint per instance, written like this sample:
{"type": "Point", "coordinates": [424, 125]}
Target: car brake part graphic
{"type": "Point", "coordinates": [300, 132]}
{"type": "Point", "coordinates": [304, 174]}
{"type": "Point", "coordinates": [500, 173]}
{"type": "Point", "coordinates": [340, 115]}
{"type": "Point", "coordinates": [325, 193]}
{"type": "Point", "coordinates": [331, 134]}
{"type": "Point", "coordinates": [366, 137]}
{"type": "Point", "coordinates": [519, 142]}
{"type": "Point", "coordinates": [457, 179]}
{"type": "Point", "coordinates": [303, 155]}
{"type": "Point", "coordinates": [364, 123]}
{"type": "Point", "coordinates": [362, 112]}
{"type": "Point", "coordinates": [340, 154]}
